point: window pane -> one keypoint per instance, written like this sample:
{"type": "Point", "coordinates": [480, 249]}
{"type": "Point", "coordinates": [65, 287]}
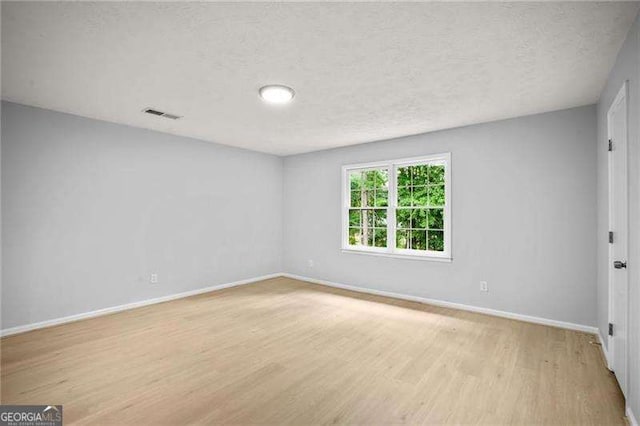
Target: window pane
{"type": "Point", "coordinates": [419, 174]}
{"type": "Point", "coordinates": [436, 174]}
{"type": "Point", "coordinates": [382, 179]}
{"type": "Point", "coordinates": [364, 198]}
{"type": "Point", "coordinates": [419, 219]}
{"type": "Point", "coordinates": [436, 195]}
{"type": "Point", "coordinates": [380, 237]}
{"type": "Point", "coordinates": [436, 240]}
{"type": "Point", "coordinates": [404, 196]}
{"type": "Point", "coordinates": [403, 218]}
{"type": "Point", "coordinates": [402, 239]}
{"type": "Point", "coordinates": [355, 180]}
{"type": "Point", "coordinates": [381, 198]}
{"type": "Point", "coordinates": [419, 196]}
{"type": "Point", "coordinates": [380, 218]}
{"type": "Point", "coordinates": [367, 218]}
{"type": "Point", "coordinates": [374, 218]}
{"type": "Point", "coordinates": [376, 178]}
{"type": "Point", "coordinates": [354, 218]}
{"type": "Point", "coordinates": [354, 236]}
{"type": "Point", "coordinates": [368, 198]}
{"type": "Point", "coordinates": [436, 219]}
{"type": "Point", "coordinates": [355, 198]}
{"type": "Point", "coordinates": [403, 176]}
{"type": "Point", "coordinates": [363, 185]}
{"type": "Point", "coordinates": [418, 240]}
{"type": "Point", "coordinates": [367, 237]}
{"type": "Point", "coordinates": [369, 179]}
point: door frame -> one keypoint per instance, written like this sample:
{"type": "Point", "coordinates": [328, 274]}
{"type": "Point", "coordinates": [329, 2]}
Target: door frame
{"type": "Point", "coordinates": [622, 96]}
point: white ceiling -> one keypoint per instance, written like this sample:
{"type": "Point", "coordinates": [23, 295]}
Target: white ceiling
{"type": "Point", "coordinates": [361, 71]}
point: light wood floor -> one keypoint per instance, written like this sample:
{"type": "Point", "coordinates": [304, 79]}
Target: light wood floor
{"type": "Point", "coordinates": [283, 351]}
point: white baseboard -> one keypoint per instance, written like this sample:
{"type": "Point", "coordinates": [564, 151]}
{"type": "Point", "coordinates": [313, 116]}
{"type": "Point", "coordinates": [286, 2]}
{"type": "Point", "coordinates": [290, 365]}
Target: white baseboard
{"type": "Point", "coordinates": [133, 305]}
{"type": "Point", "coordinates": [633, 421]}
{"type": "Point", "coordinates": [604, 349]}
{"type": "Point", "coordinates": [436, 302]}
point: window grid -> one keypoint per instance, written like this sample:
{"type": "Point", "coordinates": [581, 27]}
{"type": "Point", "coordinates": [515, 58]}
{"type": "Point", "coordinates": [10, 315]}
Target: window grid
{"type": "Point", "coordinates": [368, 207]}
{"type": "Point", "coordinates": [428, 192]}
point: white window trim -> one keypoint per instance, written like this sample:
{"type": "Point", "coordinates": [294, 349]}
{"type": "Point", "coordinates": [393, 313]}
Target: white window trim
{"type": "Point", "coordinates": [392, 251]}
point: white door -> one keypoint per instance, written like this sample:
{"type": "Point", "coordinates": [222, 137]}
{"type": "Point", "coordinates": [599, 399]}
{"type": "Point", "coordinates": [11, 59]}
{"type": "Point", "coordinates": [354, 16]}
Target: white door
{"type": "Point", "coordinates": [618, 225]}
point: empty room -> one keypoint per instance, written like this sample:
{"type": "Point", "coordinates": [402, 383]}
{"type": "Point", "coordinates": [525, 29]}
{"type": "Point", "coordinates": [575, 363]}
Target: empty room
{"type": "Point", "coordinates": [320, 213]}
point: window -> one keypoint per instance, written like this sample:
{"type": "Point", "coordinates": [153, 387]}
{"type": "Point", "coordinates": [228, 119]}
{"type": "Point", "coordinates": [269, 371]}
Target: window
{"type": "Point", "coordinates": [398, 207]}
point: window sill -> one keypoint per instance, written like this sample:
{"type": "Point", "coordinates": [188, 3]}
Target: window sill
{"type": "Point", "coordinates": [398, 255]}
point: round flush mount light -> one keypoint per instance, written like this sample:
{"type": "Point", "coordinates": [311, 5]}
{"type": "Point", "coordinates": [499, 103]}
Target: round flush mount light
{"type": "Point", "coordinates": [276, 94]}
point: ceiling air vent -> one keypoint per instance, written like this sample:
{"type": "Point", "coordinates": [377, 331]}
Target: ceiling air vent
{"type": "Point", "coordinates": [161, 114]}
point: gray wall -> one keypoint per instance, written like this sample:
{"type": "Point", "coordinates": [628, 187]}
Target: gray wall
{"type": "Point", "coordinates": [90, 209]}
{"type": "Point", "coordinates": [523, 217]}
{"type": "Point", "coordinates": [627, 67]}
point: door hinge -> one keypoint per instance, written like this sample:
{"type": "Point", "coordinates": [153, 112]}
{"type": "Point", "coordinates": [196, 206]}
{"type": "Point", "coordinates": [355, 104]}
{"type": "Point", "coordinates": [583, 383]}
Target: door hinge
{"type": "Point", "coordinates": [610, 145]}
{"type": "Point", "coordinates": [610, 329]}
{"type": "Point", "coordinates": [610, 237]}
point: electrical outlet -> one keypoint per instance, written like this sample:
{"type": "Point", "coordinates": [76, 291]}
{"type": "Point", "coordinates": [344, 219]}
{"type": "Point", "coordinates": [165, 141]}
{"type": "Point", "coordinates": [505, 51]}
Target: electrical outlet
{"type": "Point", "coordinates": [484, 286]}
{"type": "Point", "coordinates": [153, 279]}
{"type": "Point", "coordinates": [310, 263]}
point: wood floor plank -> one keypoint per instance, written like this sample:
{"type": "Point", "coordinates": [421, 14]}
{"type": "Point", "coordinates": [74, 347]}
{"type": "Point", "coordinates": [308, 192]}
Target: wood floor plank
{"type": "Point", "coordinates": [287, 352]}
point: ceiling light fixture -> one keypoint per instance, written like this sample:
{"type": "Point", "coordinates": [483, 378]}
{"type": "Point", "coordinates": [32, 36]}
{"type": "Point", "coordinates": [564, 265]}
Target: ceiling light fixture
{"type": "Point", "coordinates": [276, 94]}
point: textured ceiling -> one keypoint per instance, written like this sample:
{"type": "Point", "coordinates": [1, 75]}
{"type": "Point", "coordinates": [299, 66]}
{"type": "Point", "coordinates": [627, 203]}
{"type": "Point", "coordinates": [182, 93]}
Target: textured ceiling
{"type": "Point", "coordinates": [361, 71]}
